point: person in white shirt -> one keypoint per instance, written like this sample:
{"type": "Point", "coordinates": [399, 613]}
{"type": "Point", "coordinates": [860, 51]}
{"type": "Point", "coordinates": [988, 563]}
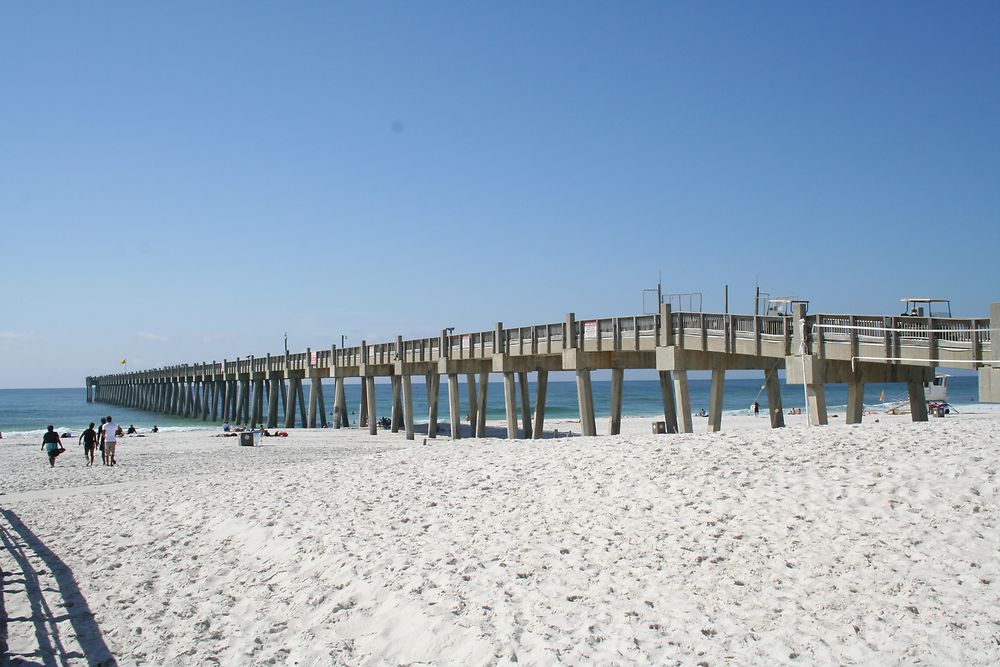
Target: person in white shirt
{"type": "Point", "coordinates": [110, 429]}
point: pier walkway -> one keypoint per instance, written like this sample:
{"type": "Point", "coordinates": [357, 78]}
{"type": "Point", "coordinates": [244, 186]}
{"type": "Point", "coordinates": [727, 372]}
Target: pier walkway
{"type": "Point", "coordinates": [814, 350]}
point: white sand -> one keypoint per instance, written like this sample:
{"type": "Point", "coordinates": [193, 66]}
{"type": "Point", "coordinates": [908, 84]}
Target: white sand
{"type": "Point", "coordinates": [875, 544]}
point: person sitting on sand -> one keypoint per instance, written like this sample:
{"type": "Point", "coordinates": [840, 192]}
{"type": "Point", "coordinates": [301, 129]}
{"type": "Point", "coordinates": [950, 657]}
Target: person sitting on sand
{"type": "Point", "coordinates": [89, 440]}
{"type": "Point", "coordinates": [155, 429]}
{"type": "Point", "coordinates": [225, 427]}
{"type": "Point", "coordinates": [52, 445]}
{"type": "Point", "coordinates": [131, 429]}
{"type": "Point", "coordinates": [119, 432]}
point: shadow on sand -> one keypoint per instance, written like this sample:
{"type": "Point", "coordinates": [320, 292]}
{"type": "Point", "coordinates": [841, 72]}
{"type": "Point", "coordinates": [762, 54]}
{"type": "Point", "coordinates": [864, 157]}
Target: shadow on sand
{"type": "Point", "coordinates": [64, 603]}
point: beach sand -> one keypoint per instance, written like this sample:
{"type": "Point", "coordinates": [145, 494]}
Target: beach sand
{"type": "Point", "coordinates": [870, 544]}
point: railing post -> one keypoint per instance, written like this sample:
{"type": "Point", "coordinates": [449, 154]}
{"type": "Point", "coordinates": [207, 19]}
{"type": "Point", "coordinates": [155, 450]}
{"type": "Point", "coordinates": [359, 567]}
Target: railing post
{"type": "Point", "coordinates": [821, 342]}
{"type": "Point", "coordinates": [931, 341]}
{"type": "Point", "coordinates": [569, 332]}
{"type": "Point", "coordinates": [499, 344]}
{"type": "Point", "coordinates": [666, 325]}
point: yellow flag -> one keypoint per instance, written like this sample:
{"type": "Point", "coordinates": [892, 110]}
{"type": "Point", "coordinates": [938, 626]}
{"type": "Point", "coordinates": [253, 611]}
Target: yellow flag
{"type": "Point", "coordinates": [121, 363]}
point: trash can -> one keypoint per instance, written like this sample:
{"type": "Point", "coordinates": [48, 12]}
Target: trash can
{"type": "Point", "coordinates": [659, 427]}
{"type": "Point", "coordinates": [246, 439]}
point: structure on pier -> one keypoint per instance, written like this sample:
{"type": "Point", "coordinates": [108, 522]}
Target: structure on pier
{"type": "Point", "coordinates": [814, 350]}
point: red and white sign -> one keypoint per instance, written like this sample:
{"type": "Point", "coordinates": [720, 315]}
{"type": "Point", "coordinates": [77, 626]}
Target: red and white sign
{"type": "Point", "coordinates": [590, 330]}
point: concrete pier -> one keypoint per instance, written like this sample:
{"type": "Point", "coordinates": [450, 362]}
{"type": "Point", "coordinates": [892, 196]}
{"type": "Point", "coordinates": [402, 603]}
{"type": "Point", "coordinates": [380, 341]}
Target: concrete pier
{"type": "Point", "coordinates": [813, 351]}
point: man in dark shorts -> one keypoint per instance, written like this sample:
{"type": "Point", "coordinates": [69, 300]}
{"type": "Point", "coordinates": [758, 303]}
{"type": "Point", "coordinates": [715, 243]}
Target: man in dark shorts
{"type": "Point", "coordinates": [52, 445]}
{"type": "Point", "coordinates": [89, 440]}
{"type": "Point", "coordinates": [100, 435]}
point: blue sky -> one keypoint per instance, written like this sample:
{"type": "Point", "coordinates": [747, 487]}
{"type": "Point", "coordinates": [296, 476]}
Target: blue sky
{"type": "Point", "coordinates": [187, 181]}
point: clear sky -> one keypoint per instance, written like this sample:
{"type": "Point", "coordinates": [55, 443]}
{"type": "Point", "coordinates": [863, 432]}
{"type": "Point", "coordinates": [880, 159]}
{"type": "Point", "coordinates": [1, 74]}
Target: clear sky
{"type": "Point", "coordinates": [186, 181]}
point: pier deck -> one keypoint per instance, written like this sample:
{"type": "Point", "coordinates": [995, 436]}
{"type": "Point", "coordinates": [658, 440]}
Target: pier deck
{"type": "Point", "coordinates": [814, 350]}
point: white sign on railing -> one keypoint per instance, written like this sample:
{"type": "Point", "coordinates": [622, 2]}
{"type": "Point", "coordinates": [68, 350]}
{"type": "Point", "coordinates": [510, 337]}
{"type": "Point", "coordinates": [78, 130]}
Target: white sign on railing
{"type": "Point", "coordinates": [590, 329]}
{"type": "Point", "coordinates": [466, 342]}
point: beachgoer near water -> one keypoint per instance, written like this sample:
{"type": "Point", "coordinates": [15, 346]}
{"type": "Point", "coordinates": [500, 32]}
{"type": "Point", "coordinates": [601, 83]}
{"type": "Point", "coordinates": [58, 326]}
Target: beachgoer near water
{"type": "Point", "coordinates": [155, 429]}
{"type": "Point", "coordinates": [225, 427]}
{"type": "Point", "coordinates": [111, 430]}
{"type": "Point", "coordinates": [52, 445]}
{"type": "Point", "coordinates": [131, 429]}
{"type": "Point", "coordinates": [756, 408]}
{"type": "Point", "coordinates": [100, 434]}
{"type": "Point", "coordinates": [89, 440]}
{"type": "Point", "coordinates": [118, 431]}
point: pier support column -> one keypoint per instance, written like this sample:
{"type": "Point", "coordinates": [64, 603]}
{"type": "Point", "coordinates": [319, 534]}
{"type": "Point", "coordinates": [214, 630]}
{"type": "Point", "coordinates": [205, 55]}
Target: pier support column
{"type": "Point", "coordinates": [396, 413]}
{"type": "Point", "coordinates": [522, 380]}
{"type": "Point", "coordinates": [363, 407]}
{"type": "Point", "coordinates": [272, 402]}
{"type": "Point", "coordinates": [246, 387]}
{"type": "Point", "coordinates": [223, 395]}
{"type": "Point", "coordinates": [683, 397]}
{"type": "Point", "coordinates": [715, 396]}
{"type": "Point", "coordinates": [322, 403]}
{"type": "Point", "coordinates": [301, 395]}
{"type": "Point", "coordinates": [258, 402]}
{"type": "Point", "coordinates": [615, 418]}
{"type": "Point", "coordinates": [313, 402]}
{"type": "Point", "coordinates": [989, 376]}
{"type": "Point", "coordinates": [233, 395]}
{"type": "Point", "coordinates": [540, 390]}
{"type": "Point", "coordinates": [370, 405]}
{"type": "Point", "coordinates": [510, 402]}
{"type": "Point", "coordinates": [293, 390]}
{"type": "Point", "coordinates": [454, 413]}
{"type": "Point", "coordinates": [473, 403]}
{"type": "Point", "coordinates": [775, 409]}
{"type": "Point", "coordinates": [217, 391]}
{"type": "Point", "coordinates": [196, 387]}
{"type": "Point", "coordinates": [816, 398]}
{"type": "Point", "coordinates": [408, 405]}
{"type": "Point", "coordinates": [207, 391]}
{"type": "Point", "coordinates": [433, 392]}
{"type": "Point", "coordinates": [339, 404]}
{"type": "Point", "coordinates": [484, 386]}
{"type": "Point", "coordinates": [669, 404]}
{"type": "Point", "coordinates": [585, 399]}
{"type": "Point", "coordinates": [239, 402]}
{"type": "Point", "coordinates": [855, 402]}
{"type": "Point", "coordinates": [918, 401]}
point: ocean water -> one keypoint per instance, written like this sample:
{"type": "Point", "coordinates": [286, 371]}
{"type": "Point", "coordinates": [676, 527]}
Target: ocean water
{"type": "Point", "coordinates": [25, 412]}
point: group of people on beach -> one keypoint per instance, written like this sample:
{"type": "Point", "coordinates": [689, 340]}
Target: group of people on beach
{"type": "Point", "coordinates": [104, 438]}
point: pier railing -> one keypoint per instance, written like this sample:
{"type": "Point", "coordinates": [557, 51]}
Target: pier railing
{"type": "Point", "coordinates": [900, 339]}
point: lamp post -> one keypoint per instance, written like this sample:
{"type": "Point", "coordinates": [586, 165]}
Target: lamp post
{"type": "Point", "coordinates": [286, 343]}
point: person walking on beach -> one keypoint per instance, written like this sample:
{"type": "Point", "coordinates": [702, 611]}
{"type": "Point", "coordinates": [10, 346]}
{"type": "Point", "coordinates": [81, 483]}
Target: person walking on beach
{"type": "Point", "coordinates": [110, 441]}
{"type": "Point", "coordinates": [100, 435]}
{"type": "Point", "coordinates": [89, 440]}
{"type": "Point", "coordinates": [756, 408]}
{"type": "Point", "coordinates": [52, 445]}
